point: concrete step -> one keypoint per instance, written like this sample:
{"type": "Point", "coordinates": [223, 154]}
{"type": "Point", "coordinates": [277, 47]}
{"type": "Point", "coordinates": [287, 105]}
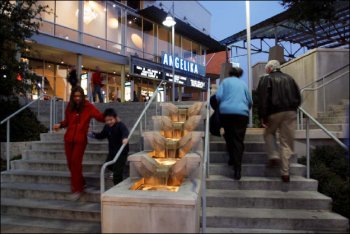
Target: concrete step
{"type": "Point", "coordinates": [332, 114]}
{"type": "Point", "coordinates": [255, 170]}
{"type": "Point", "coordinates": [334, 120]}
{"type": "Point", "coordinates": [249, 146]}
{"type": "Point", "coordinates": [297, 183]}
{"type": "Point", "coordinates": [248, 138]}
{"type": "Point", "coordinates": [45, 191]}
{"type": "Point", "coordinates": [59, 136]}
{"type": "Point", "coordinates": [54, 165]}
{"type": "Point", "coordinates": [250, 230]}
{"type": "Point", "coordinates": [331, 127]}
{"type": "Point", "coordinates": [285, 219]}
{"type": "Point", "coordinates": [47, 177]}
{"type": "Point", "coordinates": [337, 108]}
{"type": "Point", "coordinates": [53, 209]}
{"type": "Point", "coordinates": [307, 200]}
{"type": "Point", "coordinates": [345, 102]}
{"type": "Point", "coordinates": [248, 157]}
{"type": "Point", "coordinates": [49, 154]}
{"type": "Point", "coordinates": [91, 146]}
{"type": "Point", "coordinates": [28, 224]}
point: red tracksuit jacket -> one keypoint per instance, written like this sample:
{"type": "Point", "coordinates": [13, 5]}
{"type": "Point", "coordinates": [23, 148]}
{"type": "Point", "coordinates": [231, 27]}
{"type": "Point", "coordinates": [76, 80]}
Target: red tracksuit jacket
{"type": "Point", "coordinates": [77, 124]}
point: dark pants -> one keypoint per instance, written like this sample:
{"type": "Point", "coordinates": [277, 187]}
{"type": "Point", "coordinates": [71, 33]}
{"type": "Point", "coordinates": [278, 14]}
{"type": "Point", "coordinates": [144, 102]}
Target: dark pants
{"type": "Point", "coordinates": [118, 167]}
{"type": "Point", "coordinates": [235, 128]}
{"type": "Point", "coordinates": [97, 90]}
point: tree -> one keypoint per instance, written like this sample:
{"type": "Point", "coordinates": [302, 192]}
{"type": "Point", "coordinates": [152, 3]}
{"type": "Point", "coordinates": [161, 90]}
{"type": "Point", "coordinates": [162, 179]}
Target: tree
{"type": "Point", "coordinates": [19, 20]}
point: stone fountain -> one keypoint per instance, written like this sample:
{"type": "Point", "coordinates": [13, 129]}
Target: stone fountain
{"type": "Point", "coordinates": [162, 193]}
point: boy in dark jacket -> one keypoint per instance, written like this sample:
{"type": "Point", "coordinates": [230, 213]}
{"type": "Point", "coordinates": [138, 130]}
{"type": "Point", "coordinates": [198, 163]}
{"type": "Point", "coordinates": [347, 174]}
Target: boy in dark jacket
{"type": "Point", "coordinates": [117, 134]}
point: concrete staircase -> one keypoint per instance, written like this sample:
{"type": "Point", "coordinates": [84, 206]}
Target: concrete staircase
{"type": "Point", "coordinates": [336, 118]}
{"type": "Point", "coordinates": [260, 202]}
{"type": "Point", "coordinates": [35, 193]}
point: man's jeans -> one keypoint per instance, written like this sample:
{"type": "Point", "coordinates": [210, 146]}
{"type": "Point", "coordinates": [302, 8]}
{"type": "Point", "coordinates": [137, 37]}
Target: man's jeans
{"type": "Point", "coordinates": [97, 90]}
{"type": "Point", "coordinates": [285, 122]}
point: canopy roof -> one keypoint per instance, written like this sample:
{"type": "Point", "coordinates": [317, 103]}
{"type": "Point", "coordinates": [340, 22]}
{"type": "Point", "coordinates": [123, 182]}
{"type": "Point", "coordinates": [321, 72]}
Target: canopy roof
{"type": "Point", "coordinates": [330, 34]}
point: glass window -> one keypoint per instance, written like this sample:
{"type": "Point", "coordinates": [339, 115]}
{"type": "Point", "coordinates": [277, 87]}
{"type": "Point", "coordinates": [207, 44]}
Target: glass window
{"type": "Point", "coordinates": [67, 13]}
{"type": "Point", "coordinates": [114, 27]}
{"type": "Point", "coordinates": [148, 39]}
{"type": "Point", "coordinates": [95, 18]}
{"type": "Point", "coordinates": [178, 45]}
{"type": "Point", "coordinates": [186, 49]}
{"type": "Point", "coordinates": [163, 40]}
{"type": "Point", "coordinates": [196, 52]}
{"type": "Point", "coordinates": [51, 8]}
{"type": "Point", "coordinates": [134, 40]}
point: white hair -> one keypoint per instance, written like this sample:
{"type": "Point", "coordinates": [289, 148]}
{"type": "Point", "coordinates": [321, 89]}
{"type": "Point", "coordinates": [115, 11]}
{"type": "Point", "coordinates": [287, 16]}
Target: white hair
{"type": "Point", "coordinates": [273, 65]}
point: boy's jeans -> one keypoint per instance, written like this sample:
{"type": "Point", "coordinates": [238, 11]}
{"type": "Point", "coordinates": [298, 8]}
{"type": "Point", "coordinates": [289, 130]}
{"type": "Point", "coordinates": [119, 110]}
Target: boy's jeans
{"type": "Point", "coordinates": [97, 90]}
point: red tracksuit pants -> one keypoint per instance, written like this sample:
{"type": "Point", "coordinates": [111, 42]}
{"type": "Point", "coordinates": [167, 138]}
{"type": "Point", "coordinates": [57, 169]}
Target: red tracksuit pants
{"type": "Point", "coordinates": [74, 155]}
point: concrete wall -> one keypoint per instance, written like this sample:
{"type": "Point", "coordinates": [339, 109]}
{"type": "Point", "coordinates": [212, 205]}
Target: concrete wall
{"type": "Point", "coordinates": [258, 71]}
{"type": "Point", "coordinates": [197, 16]}
{"type": "Point", "coordinates": [312, 66]}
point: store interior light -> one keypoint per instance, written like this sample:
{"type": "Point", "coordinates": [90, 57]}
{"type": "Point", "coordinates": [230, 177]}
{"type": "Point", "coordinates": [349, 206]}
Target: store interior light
{"type": "Point", "coordinates": [137, 40]}
{"type": "Point", "coordinates": [114, 5]}
{"type": "Point", "coordinates": [98, 46]}
{"type": "Point", "coordinates": [130, 22]}
{"type": "Point", "coordinates": [169, 21]}
{"type": "Point", "coordinates": [113, 23]}
{"type": "Point", "coordinates": [89, 12]}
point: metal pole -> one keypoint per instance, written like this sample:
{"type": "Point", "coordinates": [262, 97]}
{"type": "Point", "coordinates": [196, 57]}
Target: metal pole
{"type": "Point", "coordinates": [298, 119]}
{"type": "Point", "coordinates": [63, 110]}
{"type": "Point", "coordinates": [307, 149]}
{"type": "Point", "coordinates": [50, 127]}
{"type": "Point", "coordinates": [8, 145]}
{"type": "Point", "coordinates": [173, 58]}
{"type": "Point", "coordinates": [247, 8]}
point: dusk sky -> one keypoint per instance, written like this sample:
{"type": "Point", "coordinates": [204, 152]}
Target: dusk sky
{"type": "Point", "coordinates": [228, 18]}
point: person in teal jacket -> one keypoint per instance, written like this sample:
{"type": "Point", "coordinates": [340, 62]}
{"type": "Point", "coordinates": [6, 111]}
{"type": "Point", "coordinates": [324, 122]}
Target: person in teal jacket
{"type": "Point", "coordinates": [234, 104]}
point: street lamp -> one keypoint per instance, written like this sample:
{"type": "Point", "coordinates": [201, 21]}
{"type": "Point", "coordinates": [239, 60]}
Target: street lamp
{"type": "Point", "coordinates": [170, 22]}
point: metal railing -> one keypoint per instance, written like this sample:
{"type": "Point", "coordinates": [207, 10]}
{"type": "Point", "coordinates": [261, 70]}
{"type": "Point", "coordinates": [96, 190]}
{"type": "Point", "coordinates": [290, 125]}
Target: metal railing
{"type": "Point", "coordinates": [300, 120]}
{"type": "Point", "coordinates": [307, 132]}
{"type": "Point", "coordinates": [8, 122]}
{"type": "Point", "coordinates": [205, 168]}
{"type": "Point", "coordinates": [137, 123]}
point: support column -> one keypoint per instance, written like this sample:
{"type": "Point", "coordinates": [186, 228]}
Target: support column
{"type": "Point", "coordinates": [79, 63]}
{"type": "Point", "coordinates": [122, 85]}
{"type": "Point", "coordinates": [180, 90]}
{"type": "Point", "coordinates": [81, 21]}
{"type": "Point", "coordinates": [54, 79]}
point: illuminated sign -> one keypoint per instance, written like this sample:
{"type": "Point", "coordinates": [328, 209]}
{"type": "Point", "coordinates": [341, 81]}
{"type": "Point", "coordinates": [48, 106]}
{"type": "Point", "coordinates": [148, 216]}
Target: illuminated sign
{"type": "Point", "coordinates": [197, 83]}
{"type": "Point", "coordinates": [182, 64]}
{"type": "Point", "coordinates": [147, 72]}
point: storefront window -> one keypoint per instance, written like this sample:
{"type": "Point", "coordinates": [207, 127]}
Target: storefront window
{"type": "Point", "coordinates": [46, 25]}
{"type": "Point", "coordinates": [95, 18]}
{"type": "Point", "coordinates": [114, 27]}
{"type": "Point", "coordinates": [148, 39]}
{"type": "Point", "coordinates": [134, 40]}
{"type": "Point", "coordinates": [163, 40]}
{"type": "Point", "coordinates": [186, 49]}
{"type": "Point", "coordinates": [196, 53]}
{"type": "Point", "coordinates": [178, 45]}
{"type": "Point", "coordinates": [67, 13]}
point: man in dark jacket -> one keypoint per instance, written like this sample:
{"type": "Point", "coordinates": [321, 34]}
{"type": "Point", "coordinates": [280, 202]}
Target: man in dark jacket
{"type": "Point", "coordinates": [279, 98]}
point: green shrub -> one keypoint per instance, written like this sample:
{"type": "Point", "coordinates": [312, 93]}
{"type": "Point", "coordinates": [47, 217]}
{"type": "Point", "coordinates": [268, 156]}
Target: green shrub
{"type": "Point", "coordinates": [24, 126]}
{"type": "Point", "coordinates": [328, 165]}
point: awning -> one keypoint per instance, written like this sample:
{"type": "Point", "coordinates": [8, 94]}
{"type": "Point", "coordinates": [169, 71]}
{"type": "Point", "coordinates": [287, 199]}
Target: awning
{"type": "Point", "coordinates": [157, 15]}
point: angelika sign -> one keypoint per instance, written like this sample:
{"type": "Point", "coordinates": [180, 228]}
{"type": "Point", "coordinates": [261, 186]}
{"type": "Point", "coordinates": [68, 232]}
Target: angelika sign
{"type": "Point", "coordinates": [183, 64]}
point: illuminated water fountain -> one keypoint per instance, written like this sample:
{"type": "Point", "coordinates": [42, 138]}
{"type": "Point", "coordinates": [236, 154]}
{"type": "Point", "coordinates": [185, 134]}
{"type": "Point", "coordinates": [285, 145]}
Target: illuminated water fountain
{"type": "Point", "coordinates": [162, 192]}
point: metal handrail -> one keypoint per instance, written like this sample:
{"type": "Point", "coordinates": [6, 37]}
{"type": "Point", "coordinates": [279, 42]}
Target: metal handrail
{"type": "Point", "coordinates": [205, 169]}
{"type": "Point", "coordinates": [299, 115]}
{"type": "Point", "coordinates": [8, 119]}
{"type": "Point", "coordinates": [138, 121]}
{"type": "Point", "coordinates": [309, 117]}
{"type": "Point", "coordinates": [324, 76]}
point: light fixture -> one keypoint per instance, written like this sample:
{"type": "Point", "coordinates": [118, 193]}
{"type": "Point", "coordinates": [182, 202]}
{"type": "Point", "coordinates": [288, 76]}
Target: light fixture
{"type": "Point", "coordinates": [4, 76]}
{"type": "Point", "coordinates": [82, 66]}
{"type": "Point", "coordinates": [113, 23]}
{"type": "Point", "coordinates": [137, 40]}
{"type": "Point", "coordinates": [169, 21]}
{"type": "Point", "coordinates": [62, 61]}
{"type": "Point", "coordinates": [114, 72]}
{"type": "Point", "coordinates": [66, 37]}
{"type": "Point", "coordinates": [49, 66]}
{"type": "Point", "coordinates": [98, 46]}
{"type": "Point", "coordinates": [114, 5]}
{"type": "Point", "coordinates": [89, 12]}
{"type": "Point", "coordinates": [105, 9]}
{"type": "Point", "coordinates": [130, 22]}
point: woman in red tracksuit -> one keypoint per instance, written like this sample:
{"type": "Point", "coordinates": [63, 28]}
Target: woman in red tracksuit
{"type": "Point", "coordinates": [79, 112]}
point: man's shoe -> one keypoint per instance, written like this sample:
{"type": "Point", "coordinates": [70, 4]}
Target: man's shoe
{"type": "Point", "coordinates": [237, 174]}
{"type": "Point", "coordinates": [285, 178]}
{"type": "Point", "coordinates": [273, 163]}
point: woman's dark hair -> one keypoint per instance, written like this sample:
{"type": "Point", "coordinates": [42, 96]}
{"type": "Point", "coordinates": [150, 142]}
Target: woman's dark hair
{"type": "Point", "coordinates": [110, 112]}
{"type": "Point", "coordinates": [236, 72]}
{"type": "Point", "coordinates": [74, 106]}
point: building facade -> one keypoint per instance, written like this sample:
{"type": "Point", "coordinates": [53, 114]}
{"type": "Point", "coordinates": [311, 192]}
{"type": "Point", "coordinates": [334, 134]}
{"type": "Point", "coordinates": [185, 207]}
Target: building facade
{"type": "Point", "coordinates": [127, 41]}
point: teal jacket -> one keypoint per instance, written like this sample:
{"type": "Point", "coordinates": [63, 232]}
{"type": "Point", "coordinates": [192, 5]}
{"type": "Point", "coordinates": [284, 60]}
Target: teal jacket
{"type": "Point", "coordinates": [233, 97]}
